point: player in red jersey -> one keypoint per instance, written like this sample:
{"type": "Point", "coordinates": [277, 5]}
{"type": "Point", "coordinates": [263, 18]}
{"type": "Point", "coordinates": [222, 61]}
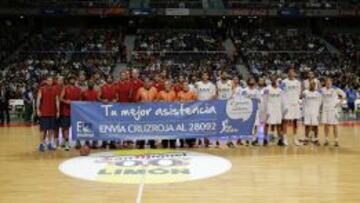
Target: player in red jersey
{"type": "Point", "coordinates": [90, 94]}
{"type": "Point", "coordinates": [69, 94]}
{"type": "Point", "coordinates": [158, 83]}
{"type": "Point", "coordinates": [108, 94]}
{"type": "Point", "coordinates": [123, 88]}
{"type": "Point", "coordinates": [179, 84]}
{"type": "Point", "coordinates": [108, 91]}
{"type": "Point", "coordinates": [47, 105]}
{"type": "Point", "coordinates": [58, 85]}
{"type": "Point", "coordinates": [136, 84]}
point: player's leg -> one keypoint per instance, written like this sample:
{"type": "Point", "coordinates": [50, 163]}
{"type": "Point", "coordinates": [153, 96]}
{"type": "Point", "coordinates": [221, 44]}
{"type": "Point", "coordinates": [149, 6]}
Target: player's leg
{"type": "Point", "coordinates": [326, 132]}
{"type": "Point", "coordinates": [43, 131]}
{"type": "Point", "coordinates": [65, 125]}
{"type": "Point", "coordinates": [336, 135]}
{"type": "Point", "coordinates": [280, 134]}
{"type": "Point", "coordinates": [266, 137]}
{"type": "Point", "coordinates": [315, 129]}
{"type": "Point", "coordinates": [307, 135]}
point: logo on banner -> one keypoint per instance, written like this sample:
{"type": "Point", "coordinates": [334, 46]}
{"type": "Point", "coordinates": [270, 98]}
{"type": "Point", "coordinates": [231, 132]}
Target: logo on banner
{"type": "Point", "coordinates": [141, 166]}
{"type": "Point", "coordinates": [84, 129]}
{"type": "Point", "coordinates": [239, 108]}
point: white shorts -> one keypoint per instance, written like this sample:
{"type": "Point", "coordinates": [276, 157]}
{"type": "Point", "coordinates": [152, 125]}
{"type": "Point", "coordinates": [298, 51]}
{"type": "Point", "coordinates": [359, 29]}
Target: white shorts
{"type": "Point", "coordinates": [330, 117]}
{"type": "Point", "coordinates": [291, 111]}
{"type": "Point", "coordinates": [274, 117]}
{"type": "Point", "coordinates": [311, 119]}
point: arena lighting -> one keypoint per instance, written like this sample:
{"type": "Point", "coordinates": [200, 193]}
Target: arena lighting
{"type": "Point", "coordinates": [21, 17]}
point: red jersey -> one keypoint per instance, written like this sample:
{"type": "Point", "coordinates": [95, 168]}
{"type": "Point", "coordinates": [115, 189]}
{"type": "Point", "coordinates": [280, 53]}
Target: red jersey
{"type": "Point", "coordinates": [58, 89]}
{"type": "Point", "coordinates": [123, 90]}
{"type": "Point", "coordinates": [135, 86]}
{"type": "Point", "coordinates": [48, 101]}
{"type": "Point", "coordinates": [89, 95]}
{"type": "Point", "coordinates": [177, 88]}
{"type": "Point", "coordinates": [108, 92]}
{"type": "Point", "coordinates": [71, 93]}
{"type": "Point", "coordinates": [159, 86]}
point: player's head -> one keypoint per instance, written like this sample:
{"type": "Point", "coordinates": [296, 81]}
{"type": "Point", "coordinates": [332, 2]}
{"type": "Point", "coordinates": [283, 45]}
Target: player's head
{"type": "Point", "coordinates": [236, 80]}
{"type": "Point", "coordinates": [123, 75]}
{"type": "Point", "coordinates": [49, 80]}
{"type": "Point", "coordinates": [157, 78]}
{"type": "Point", "coordinates": [274, 80]}
{"type": "Point", "coordinates": [90, 84]}
{"type": "Point", "coordinates": [312, 85]}
{"type": "Point", "coordinates": [223, 75]}
{"type": "Point", "coordinates": [167, 85]}
{"type": "Point", "coordinates": [328, 82]}
{"type": "Point", "coordinates": [262, 82]}
{"type": "Point", "coordinates": [60, 80]}
{"type": "Point", "coordinates": [205, 76]}
{"type": "Point", "coordinates": [147, 83]}
{"type": "Point", "coordinates": [185, 86]}
{"type": "Point", "coordinates": [82, 77]}
{"type": "Point", "coordinates": [311, 75]}
{"type": "Point", "coordinates": [109, 79]}
{"type": "Point", "coordinates": [135, 73]}
{"type": "Point", "coordinates": [292, 73]}
{"type": "Point", "coordinates": [181, 79]}
{"type": "Point", "coordinates": [72, 80]}
{"type": "Point", "coordinates": [97, 76]}
{"type": "Point", "coordinates": [251, 82]}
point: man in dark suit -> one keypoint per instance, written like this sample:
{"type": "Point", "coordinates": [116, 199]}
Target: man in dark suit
{"type": "Point", "coordinates": [4, 104]}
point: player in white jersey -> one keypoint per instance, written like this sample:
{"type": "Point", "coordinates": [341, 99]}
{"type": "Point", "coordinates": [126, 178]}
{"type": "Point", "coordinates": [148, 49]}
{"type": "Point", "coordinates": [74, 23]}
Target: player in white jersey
{"type": "Point", "coordinates": [311, 77]}
{"type": "Point", "coordinates": [205, 90]}
{"type": "Point", "coordinates": [237, 91]}
{"type": "Point", "coordinates": [224, 91]}
{"type": "Point", "coordinates": [252, 92]}
{"type": "Point", "coordinates": [332, 98]}
{"type": "Point", "coordinates": [273, 102]}
{"type": "Point", "coordinates": [291, 107]}
{"type": "Point", "coordinates": [224, 87]}
{"type": "Point", "coordinates": [311, 104]}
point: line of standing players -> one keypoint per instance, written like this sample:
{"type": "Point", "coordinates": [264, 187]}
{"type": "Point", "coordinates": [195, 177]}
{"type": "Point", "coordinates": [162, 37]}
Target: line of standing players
{"type": "Point", "coordinates": [278, 104]}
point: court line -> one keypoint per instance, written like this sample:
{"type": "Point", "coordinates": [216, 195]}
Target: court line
{"type": "Point", "coordinates": [142, 182]}
{"type": "Point", "coordinates": [140, 192]}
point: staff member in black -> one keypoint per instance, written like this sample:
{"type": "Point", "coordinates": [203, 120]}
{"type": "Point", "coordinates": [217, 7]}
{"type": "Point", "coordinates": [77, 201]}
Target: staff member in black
{"type": "Point", "coordinates": [4, 104]}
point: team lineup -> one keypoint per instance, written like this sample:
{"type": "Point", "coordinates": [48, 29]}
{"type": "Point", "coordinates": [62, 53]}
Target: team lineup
{"type": "Point", "coordinates": [281, 104]}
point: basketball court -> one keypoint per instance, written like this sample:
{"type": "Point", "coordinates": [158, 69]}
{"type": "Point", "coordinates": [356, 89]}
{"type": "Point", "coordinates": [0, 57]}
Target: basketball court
{"type": "Point", "coordinates": [244, 174]}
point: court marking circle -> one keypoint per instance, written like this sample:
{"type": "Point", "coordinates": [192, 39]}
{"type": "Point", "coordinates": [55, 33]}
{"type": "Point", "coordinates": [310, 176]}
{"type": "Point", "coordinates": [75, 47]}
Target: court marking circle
{"type": "Point", "coordinates": [145, 166]}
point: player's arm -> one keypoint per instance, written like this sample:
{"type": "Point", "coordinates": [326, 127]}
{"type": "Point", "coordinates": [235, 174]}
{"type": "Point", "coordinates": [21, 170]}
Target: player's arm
{"type": "Point", "coordinates": [138, 95]}
{"type": "Point", "coordinates": [38, 101]}
{"type": "Point", "coordinates": [57, 106]}
{"type": "Point", "coordinates": [215, 94]}
{"type": "Point", "coordinates": [62, 95]}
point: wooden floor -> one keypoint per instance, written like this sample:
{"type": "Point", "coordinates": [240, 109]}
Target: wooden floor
{"type": "Point", "coordinates": [272, 174]}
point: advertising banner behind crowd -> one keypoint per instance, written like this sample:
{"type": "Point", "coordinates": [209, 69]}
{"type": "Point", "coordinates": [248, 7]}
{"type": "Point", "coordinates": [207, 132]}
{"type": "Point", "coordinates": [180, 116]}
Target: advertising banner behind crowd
{"type": "Point", "coordinates": [163, 120]}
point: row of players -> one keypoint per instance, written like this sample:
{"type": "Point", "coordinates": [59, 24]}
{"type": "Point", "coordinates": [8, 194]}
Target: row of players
{"type": "Point", "coordinates": [278, 103]}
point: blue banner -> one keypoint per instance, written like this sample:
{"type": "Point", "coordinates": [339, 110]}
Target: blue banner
{"type": "Point", "coordinates": [163, 120]}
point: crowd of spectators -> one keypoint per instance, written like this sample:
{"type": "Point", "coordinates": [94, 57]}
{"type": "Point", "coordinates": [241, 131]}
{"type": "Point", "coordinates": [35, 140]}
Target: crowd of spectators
{"type": "Point", "coordinates": [178, 40]}
{"type": "Point", "coordinates": [276, 40]}
{"type": "Point", "coordinates": [9, 39]}
{"type": "Point", "coordinates": [64, 52]}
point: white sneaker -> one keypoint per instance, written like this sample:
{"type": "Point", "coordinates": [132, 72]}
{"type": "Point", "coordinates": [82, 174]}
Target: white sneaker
{"type": "Point", "coordinates": [285, 142]}
{"type": "Point", "coordinates": [296, 142]}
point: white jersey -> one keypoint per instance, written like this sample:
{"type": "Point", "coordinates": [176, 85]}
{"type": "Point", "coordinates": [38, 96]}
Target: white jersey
{"type": "Point", "coordinates": [252, 93]}
{"type": "Point", "coordinates": [291, 91]}
{"type": "Point", "coordinates": [224, 89]}
{"type": "Point", "coordinates": [205, 91]}
{"type": "Point", "coordinates": [306, 84]}
{"type": "Point", "coordinates": [273, 105]}
{"type": "Point", "coordinates": [330, 98]}
{"type": "Point", "coordinates": [237, 91]}
{"type": "Point", "coordinates": [312, 102]}
{"type": "Point", "coordinates": [273, 97]}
